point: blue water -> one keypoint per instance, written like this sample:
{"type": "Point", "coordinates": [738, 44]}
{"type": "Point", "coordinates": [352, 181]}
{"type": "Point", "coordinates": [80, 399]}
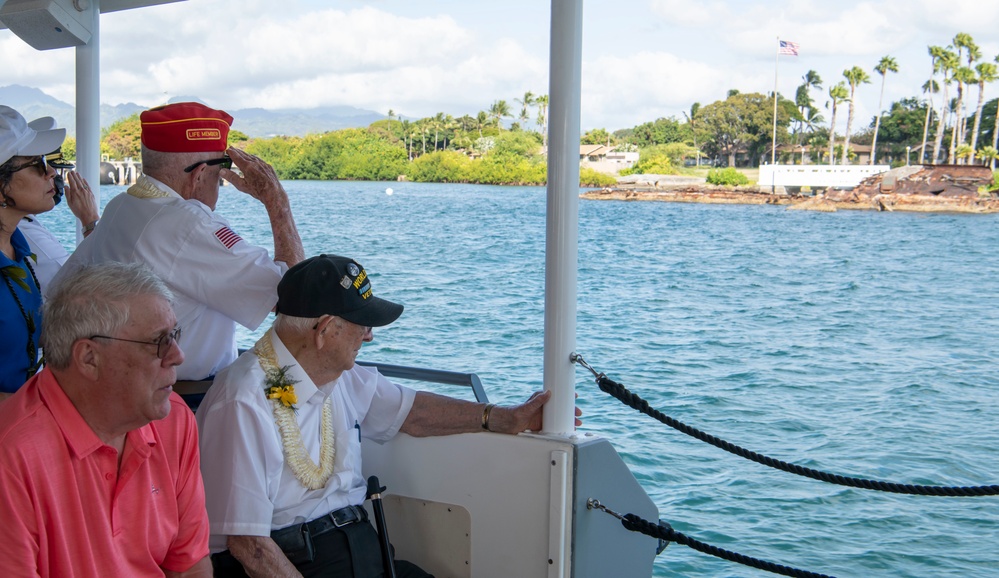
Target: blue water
{"type": "Point", "coordinates": [858, 343]}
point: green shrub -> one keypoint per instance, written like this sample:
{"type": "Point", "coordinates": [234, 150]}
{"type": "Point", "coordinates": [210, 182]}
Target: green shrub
{"type": "Point", "coordinates": [656, 160]}
{"type": "Point", "coordinates": [440, 167]}
{"type": "Point", "coordinates": [727, 176]}
{"type": "Point", "coordinates": [591, 178]}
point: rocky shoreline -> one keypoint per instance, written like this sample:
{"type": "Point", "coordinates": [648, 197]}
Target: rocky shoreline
{"type": "Point", "coordinates": [686, 190]}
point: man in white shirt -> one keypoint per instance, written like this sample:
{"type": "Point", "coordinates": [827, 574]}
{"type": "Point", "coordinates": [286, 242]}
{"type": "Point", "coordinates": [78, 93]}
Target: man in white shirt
{"type": "Point", "coordinates": [167, 220]}
{"type": "Point", "coordinates": [276, 511]}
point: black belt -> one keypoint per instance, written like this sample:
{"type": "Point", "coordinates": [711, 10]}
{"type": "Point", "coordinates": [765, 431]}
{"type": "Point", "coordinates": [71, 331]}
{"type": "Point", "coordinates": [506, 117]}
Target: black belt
{"type": "Point", "coordinates": [337, 519]}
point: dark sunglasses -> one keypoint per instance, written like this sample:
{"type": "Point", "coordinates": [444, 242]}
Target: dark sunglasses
{"type": "Point", "coordinates": [39, 163]}
{"type": "Point", "coordinates": [224, 161]}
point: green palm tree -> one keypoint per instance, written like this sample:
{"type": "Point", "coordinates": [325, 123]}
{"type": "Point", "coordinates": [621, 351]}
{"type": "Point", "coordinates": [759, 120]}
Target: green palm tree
{"type": "Point", "coordinates": [499, 110]}
{"type": "Point", "coordinates": [525, 104]}
{"type": "Point", "coordinates": [964, 44]}
{"type": "Point", "coordinates": [437, 122]}
{"type": "Point", "coordinates": [988, 156]}
{"type": "Point", "coordinates": [837, 94]}
{"type": "Point", "coordinates": [930, 87]}
{"type": "Point", "coordinates": [407, 139]}
{"type": "Point", "coordinates": [987, 72]}
{"type": "Point", "coordinates": [964, 76]}
{"type": "Point", "coordinates": [855, 76]}
{"type": "Point", "coordinates": [803, 99]}
{"type": "Point", "coordinates": [965, 153]}
{"type": "Point", "coordinates": [945, 61]}
{"type": "Point", "coordinates": [995, 128]}
{"type": "Point", "coordinates": [481, 121]}
{"type": "Point", "coordinates": [692, 121]}
{"type": "Point", "coordinates": [887, 64]}
{"type": "Point", "coordinates": [449, 125]}
{"type": "Point", "coordinates": [542, 103]}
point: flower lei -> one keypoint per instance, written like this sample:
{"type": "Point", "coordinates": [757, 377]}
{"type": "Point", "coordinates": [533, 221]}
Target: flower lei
{"type": "Point", "coordinates": [280, 389]}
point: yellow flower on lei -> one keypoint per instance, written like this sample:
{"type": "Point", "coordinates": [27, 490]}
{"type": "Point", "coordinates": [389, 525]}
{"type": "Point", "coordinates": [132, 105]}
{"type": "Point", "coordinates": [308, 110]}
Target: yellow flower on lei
{"type": "Point", "coordinates": [281, 387]}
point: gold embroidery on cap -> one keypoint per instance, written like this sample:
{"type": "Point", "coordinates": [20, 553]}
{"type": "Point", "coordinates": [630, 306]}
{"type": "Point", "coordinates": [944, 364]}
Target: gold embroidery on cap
{"type": "Point", "coordinates": [204, 134]}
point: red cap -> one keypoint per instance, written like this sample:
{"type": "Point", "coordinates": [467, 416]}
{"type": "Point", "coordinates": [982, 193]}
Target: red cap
{"type": "Point", "coordinates": [185, 127]}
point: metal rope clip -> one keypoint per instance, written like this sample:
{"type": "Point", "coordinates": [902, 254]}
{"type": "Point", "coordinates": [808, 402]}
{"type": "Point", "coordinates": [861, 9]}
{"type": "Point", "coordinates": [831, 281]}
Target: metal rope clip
{"type": "Point", "coordinates": [577, 358]}
{"type": "Point", "coordinates": [594, 504]}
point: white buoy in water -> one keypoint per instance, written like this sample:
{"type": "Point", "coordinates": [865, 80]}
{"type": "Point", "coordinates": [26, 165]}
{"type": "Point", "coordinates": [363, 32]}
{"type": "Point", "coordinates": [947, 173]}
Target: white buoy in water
{"type": "Point", "coordinates": [388, 191]}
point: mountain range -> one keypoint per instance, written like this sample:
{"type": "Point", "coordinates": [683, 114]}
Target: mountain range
{"type": "Point", "coordinates": [254, 122]}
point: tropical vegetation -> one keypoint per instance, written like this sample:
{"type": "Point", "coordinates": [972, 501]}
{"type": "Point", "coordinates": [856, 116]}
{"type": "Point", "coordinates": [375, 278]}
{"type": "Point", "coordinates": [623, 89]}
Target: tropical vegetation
{"type": "Point", "coordinates": [505, 143]}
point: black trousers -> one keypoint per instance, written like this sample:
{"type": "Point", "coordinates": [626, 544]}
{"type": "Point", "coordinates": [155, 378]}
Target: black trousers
{"type": "Point", "coordinates": [352, 551]}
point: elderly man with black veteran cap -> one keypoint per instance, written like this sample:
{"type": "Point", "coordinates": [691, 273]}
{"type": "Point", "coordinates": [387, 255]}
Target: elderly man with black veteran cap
{"type": "Point", "coordinates": [167, 220]}
{"type": "Point", "coordinates": [281, 431]}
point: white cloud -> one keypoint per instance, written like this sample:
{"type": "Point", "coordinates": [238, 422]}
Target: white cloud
{"type": "Point", "coordinates": [650, 85]}
{"type": "Point", "coordinates": [654, 59]}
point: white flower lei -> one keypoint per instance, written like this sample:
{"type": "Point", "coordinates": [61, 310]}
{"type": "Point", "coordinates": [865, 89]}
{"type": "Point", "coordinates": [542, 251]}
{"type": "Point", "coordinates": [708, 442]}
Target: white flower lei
{"type": "Point", "coordinates": [312, 476]}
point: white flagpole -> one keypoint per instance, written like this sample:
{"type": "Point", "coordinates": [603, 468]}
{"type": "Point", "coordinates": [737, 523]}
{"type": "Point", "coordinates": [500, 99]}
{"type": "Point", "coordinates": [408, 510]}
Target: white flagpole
{"type": "Point", "coordinates": [773, 144]}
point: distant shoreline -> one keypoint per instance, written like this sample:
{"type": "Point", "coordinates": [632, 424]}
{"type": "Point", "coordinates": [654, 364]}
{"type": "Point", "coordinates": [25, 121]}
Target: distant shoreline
{"type": "Point", "coordinates": [751, 195]}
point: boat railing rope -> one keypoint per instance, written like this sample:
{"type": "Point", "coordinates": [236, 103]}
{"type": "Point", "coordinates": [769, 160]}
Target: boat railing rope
{"type": "Point", "coordinates": [665, 532]}
{"type": "Point", "coordinates": [634, 401]}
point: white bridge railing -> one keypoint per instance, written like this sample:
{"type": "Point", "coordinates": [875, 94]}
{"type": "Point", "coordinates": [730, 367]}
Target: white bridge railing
{"type": "Point", "coordinates": [843, 176]}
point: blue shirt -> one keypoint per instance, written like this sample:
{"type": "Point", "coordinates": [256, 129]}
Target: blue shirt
{"type": "Point", "coordinates": [14, 358]}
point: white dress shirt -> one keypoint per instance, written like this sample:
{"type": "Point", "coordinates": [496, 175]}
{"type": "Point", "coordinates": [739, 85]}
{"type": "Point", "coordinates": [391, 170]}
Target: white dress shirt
{"type": "Point", "coordinates": [217, 278]}
{"type": "Point", "coordinates": [249, 489]}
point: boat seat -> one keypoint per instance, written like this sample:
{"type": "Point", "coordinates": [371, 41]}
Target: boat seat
{"type": "Point", "coordinates": [192, 391]}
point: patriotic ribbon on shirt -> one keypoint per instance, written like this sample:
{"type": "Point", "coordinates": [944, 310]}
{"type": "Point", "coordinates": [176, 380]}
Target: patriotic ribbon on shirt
{"type": "Point", "coordinates": [788, 47]}
{"type": "Point", "coordinates": [227, 237]}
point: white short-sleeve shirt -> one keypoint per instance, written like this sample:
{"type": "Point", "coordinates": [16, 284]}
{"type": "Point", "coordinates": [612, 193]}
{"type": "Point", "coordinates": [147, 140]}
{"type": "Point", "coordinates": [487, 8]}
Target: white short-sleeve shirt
{"type": "Point", "coordinates": [218, 279]}
{"type": "Point", "coordinates": [249, 489]}
{"type": "Point", "coordinates": [49, 252]}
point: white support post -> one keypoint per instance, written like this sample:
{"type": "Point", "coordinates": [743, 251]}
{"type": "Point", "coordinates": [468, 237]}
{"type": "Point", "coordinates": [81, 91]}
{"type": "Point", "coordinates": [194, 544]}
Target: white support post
{"type": "Point", "coordinates": [565, 80]}
{"type": "Point", "coordinates": [88, 107]}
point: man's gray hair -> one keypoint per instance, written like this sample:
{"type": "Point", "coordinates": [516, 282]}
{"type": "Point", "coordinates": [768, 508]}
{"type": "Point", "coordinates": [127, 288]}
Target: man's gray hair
{"type": "Point", "coordinates": [294, 324]}
{"type": "Point", "coordinates": [158, 162]}
{"type": "Point", "coordinates": [93, 301]}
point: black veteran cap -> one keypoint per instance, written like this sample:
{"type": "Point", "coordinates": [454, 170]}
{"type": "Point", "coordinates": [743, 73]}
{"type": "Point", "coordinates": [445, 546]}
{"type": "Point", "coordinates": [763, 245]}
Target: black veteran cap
{"type": "Point", "coordinates": [333, 285]}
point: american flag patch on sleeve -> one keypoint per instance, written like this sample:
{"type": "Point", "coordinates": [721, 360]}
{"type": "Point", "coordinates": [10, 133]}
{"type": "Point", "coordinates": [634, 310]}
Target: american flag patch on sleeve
{"type": "Point", "coordinates": [227, 237]}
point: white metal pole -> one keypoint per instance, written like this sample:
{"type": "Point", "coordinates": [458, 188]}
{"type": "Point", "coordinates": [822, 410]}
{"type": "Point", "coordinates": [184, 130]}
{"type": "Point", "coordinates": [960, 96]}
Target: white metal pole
{"type": "Point", "coordinates": [773, 140]}
{"type": "Point", "coordinates": [88, 108]}
{"type": "Point", "coordinates": [564, 82]}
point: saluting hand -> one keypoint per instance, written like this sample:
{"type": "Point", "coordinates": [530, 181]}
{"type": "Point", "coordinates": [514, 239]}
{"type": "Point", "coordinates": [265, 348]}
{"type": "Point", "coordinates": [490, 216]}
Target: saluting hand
{"type": "Point", "coordinates": [81, 199]}
{"type": "Point", "coordinates": [258, 179]}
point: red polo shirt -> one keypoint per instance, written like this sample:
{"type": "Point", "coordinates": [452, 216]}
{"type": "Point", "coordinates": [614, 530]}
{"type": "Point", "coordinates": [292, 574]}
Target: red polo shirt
{"type": "Point", "coordinates": [66, 509]}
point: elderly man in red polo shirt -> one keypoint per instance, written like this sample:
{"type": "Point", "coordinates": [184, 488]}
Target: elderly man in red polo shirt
{"type": "Point", "coordinates": [167, 220]}
{"type": "Point", "coordinates": [99, 463]}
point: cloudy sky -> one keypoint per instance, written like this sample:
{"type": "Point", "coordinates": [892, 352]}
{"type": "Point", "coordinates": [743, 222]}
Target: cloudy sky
{"type": "Point", "coordinates": [642, 59]}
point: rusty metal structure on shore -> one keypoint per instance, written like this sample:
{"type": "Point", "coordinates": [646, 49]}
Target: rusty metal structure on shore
{"type": "Point", "coordinates": [916, 188]}
{"type": "Point", "coordinates": [932, 180]}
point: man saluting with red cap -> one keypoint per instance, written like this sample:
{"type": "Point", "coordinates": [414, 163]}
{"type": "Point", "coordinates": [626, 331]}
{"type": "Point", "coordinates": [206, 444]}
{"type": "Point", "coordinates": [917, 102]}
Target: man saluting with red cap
{"type": "Point", "coordinates": [167, 220]}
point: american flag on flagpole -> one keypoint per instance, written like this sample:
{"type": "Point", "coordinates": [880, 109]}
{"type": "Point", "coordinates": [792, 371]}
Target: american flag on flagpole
{"type": "Point", "coordinates": [787, 47]}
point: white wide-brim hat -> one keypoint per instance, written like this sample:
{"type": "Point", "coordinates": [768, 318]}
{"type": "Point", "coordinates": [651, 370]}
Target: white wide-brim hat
{"type": "Point", "coordinates": [18, 138]}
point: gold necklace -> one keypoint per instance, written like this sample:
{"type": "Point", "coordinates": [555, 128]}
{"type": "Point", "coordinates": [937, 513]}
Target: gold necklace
{"type": "Point", "coordinates": [306, 471]}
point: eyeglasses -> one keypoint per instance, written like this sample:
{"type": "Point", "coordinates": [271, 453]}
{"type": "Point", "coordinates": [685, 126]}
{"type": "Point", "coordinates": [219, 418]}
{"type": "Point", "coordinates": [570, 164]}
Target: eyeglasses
{"type": "Point", "coordinates": [224, 160]}
{"type": "Point", "coordinates": [162, 344]}
{"type": "Point", "coordinates": [39, 163]}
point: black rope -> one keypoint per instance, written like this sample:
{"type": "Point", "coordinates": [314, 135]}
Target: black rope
{"type": "Point", "coordinates": [622, 394]}
{"type": "Point", "coordinates": [665, 532]}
